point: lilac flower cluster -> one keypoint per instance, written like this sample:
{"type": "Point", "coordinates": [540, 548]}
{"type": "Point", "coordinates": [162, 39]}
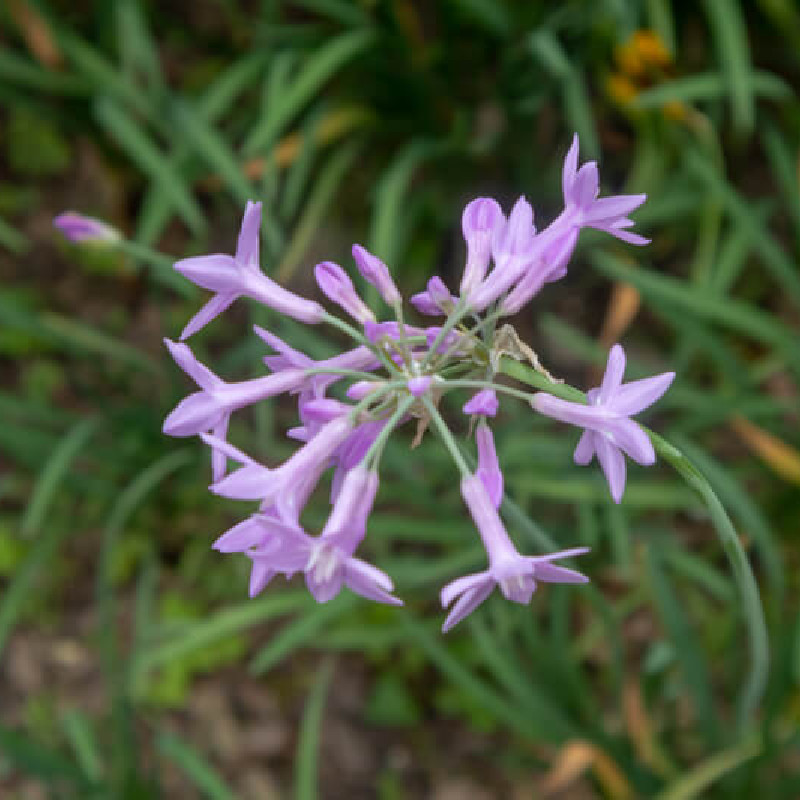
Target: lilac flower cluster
{"type": "Point", "coordinates": [396, 373]}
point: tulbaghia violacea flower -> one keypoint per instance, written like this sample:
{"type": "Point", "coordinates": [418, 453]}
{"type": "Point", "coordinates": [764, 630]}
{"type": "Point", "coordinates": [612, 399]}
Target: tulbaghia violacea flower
{"type": "Point", "coordinates": [515, 574]}
{"type": "Point", "coordinates": [584, 209]}
{"type": "Point", "coordinates": [394, 373]}
{"type": "Point", "coordinates": [212, 406]}
{"type": "Point", "coordinates": [484, 402]}
{"type": "Point", "coordinates": [336, 285]}
{"type": "Point", "coordinates": [609, 430]}
{"type": "Point", "coordinates": [287, 487]}
{"type": "Point", "coordinates": [377, 273]}
{"type": "Point", "coordinates": [513, 249]}
{"type": "Point", "coordinates": [327, 561]}
{"type": "Point", "coordinates": [436, 300]}
{"type": "Point", "coordinates": [488, 465]}
{"type": "Point", "coordinates": [85, 230]}
{"type": "Point", "coordinates": [482, 223]}
{"type": "Point", "coordinates": [230, 277]}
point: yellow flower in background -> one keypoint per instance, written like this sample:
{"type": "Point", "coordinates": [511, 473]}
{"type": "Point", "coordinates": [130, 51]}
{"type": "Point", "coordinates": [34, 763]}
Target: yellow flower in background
{"type": "Point", "coordinates": [643, 61]}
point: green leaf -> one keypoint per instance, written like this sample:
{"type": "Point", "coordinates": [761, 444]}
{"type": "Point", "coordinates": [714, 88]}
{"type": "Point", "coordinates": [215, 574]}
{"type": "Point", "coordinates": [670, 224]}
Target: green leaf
{"type": "Point", "coordinates": [391, 703]}
{"type": "Point", "coordinates": [695, 670]}
{"type": "Point", "coordinates": [457, 673]}
{"type": "Point", "coordinates": [53, 474]}
{"type": "Point", "coordinates": [708, 86]}
{"type": "Point", "coordinates": [317, 70]}
{"type": "Point", "coordinates": [212, 149]}
{"type": "Point", "coordinates": [696, 781]}
{"type": "Point", "coordinates": [344, 11]}
{"type": "Point", "coordinates": [12, 239]}
{"type": "Point", "coordinates": [726, 312]}
{"type": "Point", "coordinates": [17, 71]}
{"type": "Point", "coordinates": [194, 766]}
{"type": "Point", "coordinates": [326, 185]}
{"type": "Point", "coordinates": [391, 195]}
{"type": "Point", "coordinates": [306, 763]}
{"type": "Point", "coordinates": [729, 32]}
{"type": "Point", "coordinates": [78, 730]}
{"type": "Point", "coordinates": [783, 268]}
{"type": "Point", "coordinates": [36, 759]}
{"type": "Point", "coordinates": [144, 153]}
{"type": "Point", "coordinates": [216, 627]}
{"type": "Point", "coordinates": [300, 632]}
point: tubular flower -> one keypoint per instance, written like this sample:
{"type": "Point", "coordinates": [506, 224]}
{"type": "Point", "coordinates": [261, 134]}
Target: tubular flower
{"type": "Point", "coordinates": [516, 575]}
{"type": "Point", "coordinates": [349, 405]}
{"type": "Point", "coordinates": [609, 432]}
{"type": "Point", "coordinates": [81, 229]}
{"type": "Point", "coordinates": [230, 277]}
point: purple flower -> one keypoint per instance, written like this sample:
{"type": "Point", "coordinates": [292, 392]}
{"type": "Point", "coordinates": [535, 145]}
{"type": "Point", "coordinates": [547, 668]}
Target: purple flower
{"type": "Point", "coordinates": [483, 402]}
{"type": "Point", "coordinates": [210, 408]}
{"type": "Point", "coordinates": [419, 385]}
{"type": "Point", "coordinates": [488, 466]}
{"type": "Point", "coordinates": [513, 248]}
{"type": "Point", "coordinates": [288, 486]}
{"type": "Point", "coordinates": [435, 300]}
{"type": "Point", "coordinates": [81, 229]}
{"type": "Point", "coordinates": [609, 214]}
{"type": "Point", "coordinates": [360, 389]}
{"type": "Point", "coordinates": [230, 277]}
{"type": "Point", "coordinates": [327, 560]}
{"type": "Point", "coordinates": [609, 430]}
{"type": "Point", "coordinates": [515, 574]}
{"type": "Point", "coordinates": [550, 266]}
{"type": "Point", "coordinates": [482, 222]}
{"type": "Point", "coordinates": [377, 273]}
{"type": "Point", "coordinates": [336, 285]}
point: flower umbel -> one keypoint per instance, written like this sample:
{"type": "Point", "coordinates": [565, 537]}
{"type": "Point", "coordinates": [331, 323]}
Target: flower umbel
{"type": "Point", "coordinates": [394, 373]}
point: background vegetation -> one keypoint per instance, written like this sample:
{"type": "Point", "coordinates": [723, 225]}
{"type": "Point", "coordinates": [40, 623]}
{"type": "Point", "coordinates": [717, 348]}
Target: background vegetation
{"type": "Point", "coordinates": [132, 664]}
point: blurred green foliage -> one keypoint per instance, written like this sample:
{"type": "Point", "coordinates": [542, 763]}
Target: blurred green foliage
{"type": "Point", "coordinates": [374, 121]}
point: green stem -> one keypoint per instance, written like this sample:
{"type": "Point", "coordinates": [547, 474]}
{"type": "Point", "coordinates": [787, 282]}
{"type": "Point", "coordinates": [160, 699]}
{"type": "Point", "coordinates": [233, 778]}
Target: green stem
{"type": "Point", "coordinates": [376, 448]}
{"type": "Point", "coordinates": [498, 387]}
{"type": "Point", "coordinates": [372, 397]}
{"type": "Point", "coordinates": [455, 317]}
{"type": "Point", "coordinates": [758, 641]}
{"type": "Point", "coordinates": [447, 437]}
{"type": "Point", "coordinates": [345, 327]}
{"type": "Point", "coordinates": [350, 373]}
{"type": "Point", "coordinates": [355, 334]}
{"type": "Point", "coordinates": [161, 266]}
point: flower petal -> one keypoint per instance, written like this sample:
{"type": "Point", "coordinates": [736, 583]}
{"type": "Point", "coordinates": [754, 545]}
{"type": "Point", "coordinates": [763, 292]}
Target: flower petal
{"type": "Point", "coordinates": [612, 379]}
{"type": "Point", "coordinates": [570, 168]}
{"type": "Point", "coordinates": [246, 534]}
{"type": "Point", "coordinates": [261, 573]}
{"type": "Point", "coordinates": [584, 452]}
{"type": "Point", "coordinates": [198, 372]}
{"type": "Point", "coordinates": [217, 272]}
{"type": "Point", "coordinates": [196, 413]}
{"type": "Point", "coordinates": [251, 482]}
{"type": "Point", "coordinates": [610, 209]}
{"type": "Point", "coordinates": [613, 464]}
{"type": "Point", "coordinates": [632, 440]}
{"type": "Point", "coordinates": [584, 416]}
{"type": "Point", "coordinates": [212, 309]}
{"type": "Point", "coordinates": [370, 582]}
{"type": "Point", "coordinates": [635, 396]}
{"type": "Point", "coordinates": [467, 603]}
{"type": "Point", "coordinates": [460, 585]}
{"type": "Point", "coordinates": [249, 236]}
{"type": "Point", "coordinates": [488, 465]}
